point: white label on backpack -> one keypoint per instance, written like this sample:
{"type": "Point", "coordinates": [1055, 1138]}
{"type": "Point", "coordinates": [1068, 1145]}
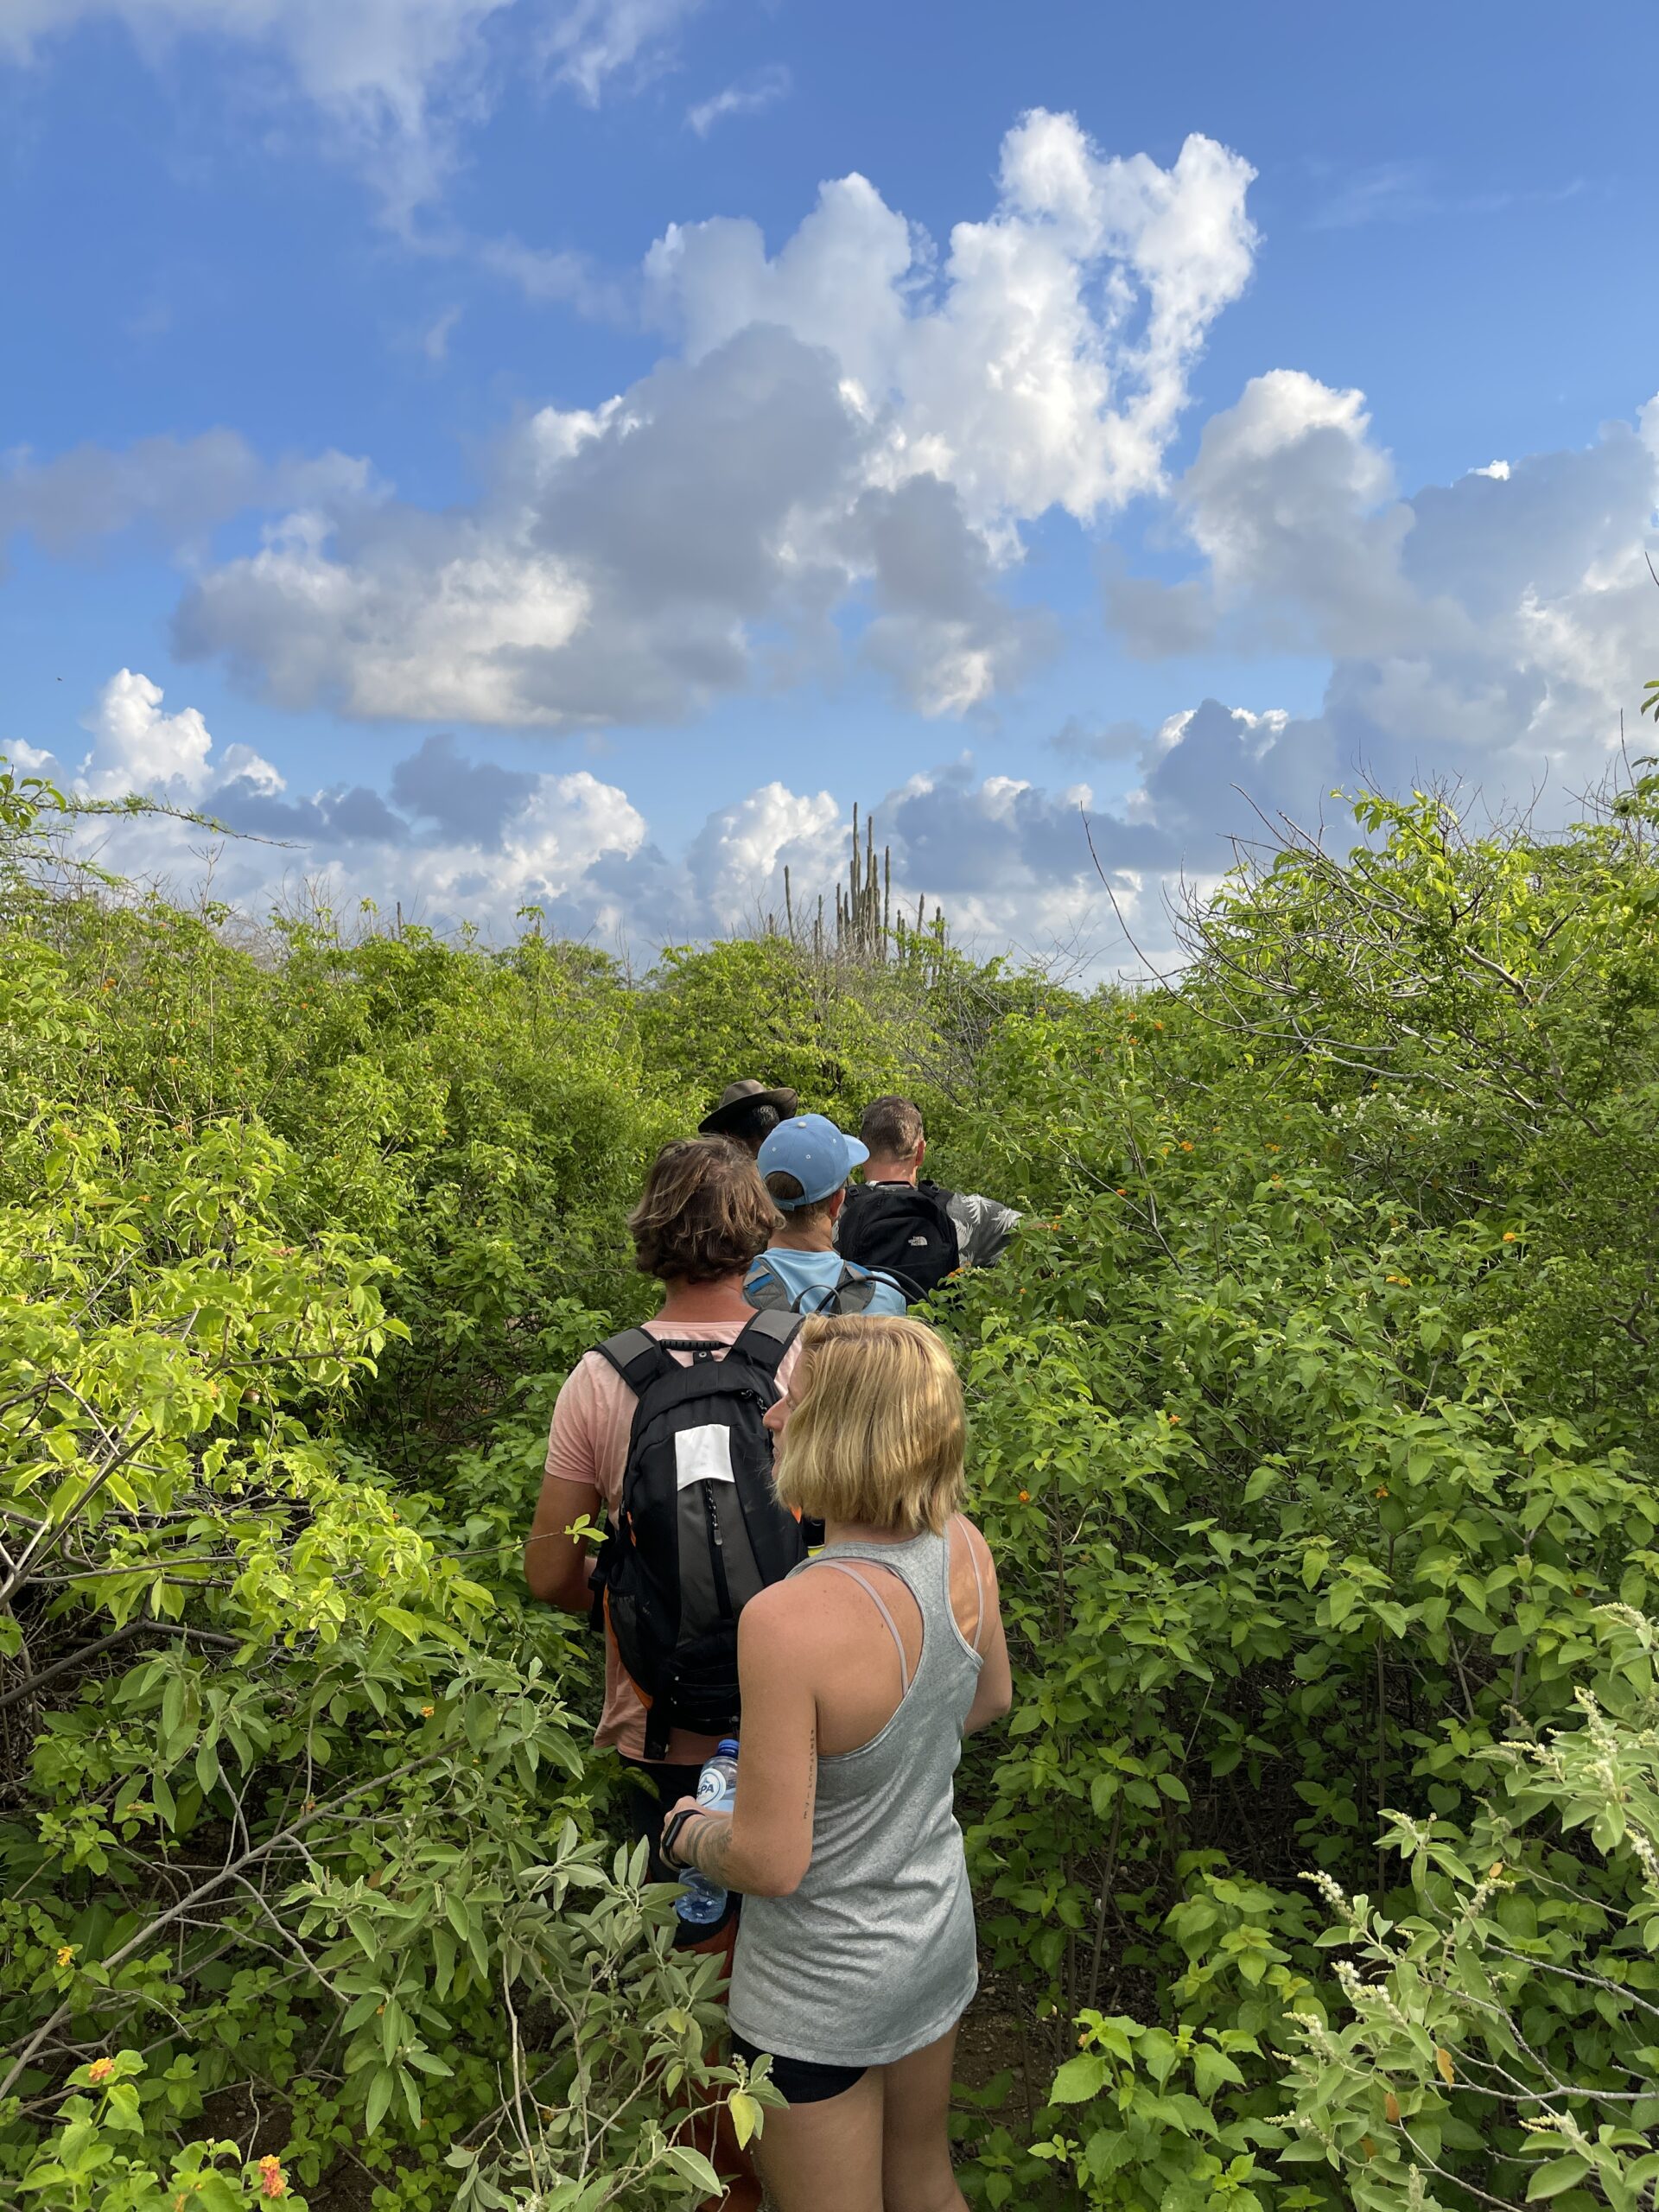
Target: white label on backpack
{"type": "Point", "coordinates": [703, 1455]}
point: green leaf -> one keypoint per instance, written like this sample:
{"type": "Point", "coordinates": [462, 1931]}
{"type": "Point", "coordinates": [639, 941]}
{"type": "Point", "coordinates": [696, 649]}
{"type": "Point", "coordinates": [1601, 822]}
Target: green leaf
{"type": "Point", "coordinates": [1158, 2053]}
{"type": "Point", "coordinates": [747, 2116]}
{"type": "Point", "coordinates": [1080, 2079]}
{"type": "Point", "coordinates": [695, 2168]}
{"type": "Point", "coordinates": [380, 2098]}
{"type": "Point", "coordinates": [1558, 2174]}
{"type": "Point", "coordinates": [1212, 2069]}
{"type": "Point", "coordinates": [443, 1953]}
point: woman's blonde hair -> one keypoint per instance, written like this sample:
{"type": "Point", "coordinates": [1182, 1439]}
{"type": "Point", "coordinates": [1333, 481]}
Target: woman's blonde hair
{"type": "Point", "coordinates": [875, 1431]}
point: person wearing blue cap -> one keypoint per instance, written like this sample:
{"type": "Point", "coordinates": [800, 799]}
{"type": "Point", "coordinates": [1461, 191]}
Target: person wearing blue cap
{"type": "Point", "coordinates": [804, 1164]}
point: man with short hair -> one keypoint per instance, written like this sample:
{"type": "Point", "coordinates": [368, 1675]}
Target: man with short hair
{"type": "Point", "coordinates": [748, 1113]}
{"type": "Point", "coordinates": [698, 1225]}
{"type": "Point", "coordinates": [913, 1230]}
{"type": "Point", "coordinates": [804, 1164]}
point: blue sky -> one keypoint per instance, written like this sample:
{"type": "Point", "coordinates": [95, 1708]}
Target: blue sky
{"type": "Point", "coordinates": [491, 445]}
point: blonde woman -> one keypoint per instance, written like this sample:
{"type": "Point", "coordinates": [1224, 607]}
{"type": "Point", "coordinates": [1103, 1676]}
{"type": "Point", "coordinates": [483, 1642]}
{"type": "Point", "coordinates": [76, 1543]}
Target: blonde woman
{"type": "Point", "coordinates": [860, 1676]}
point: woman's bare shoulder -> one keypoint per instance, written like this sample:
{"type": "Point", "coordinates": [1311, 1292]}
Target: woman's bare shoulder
{"type": "Point", "coordinates": [805, 1614]}
{"type": "Point", "coordinates": [782, 1617]}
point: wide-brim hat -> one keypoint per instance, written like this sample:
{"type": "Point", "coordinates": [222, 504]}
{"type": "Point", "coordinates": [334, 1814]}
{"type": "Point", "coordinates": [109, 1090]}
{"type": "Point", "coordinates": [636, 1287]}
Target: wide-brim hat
{"type": "Point", "coordinates": [736, 1100]}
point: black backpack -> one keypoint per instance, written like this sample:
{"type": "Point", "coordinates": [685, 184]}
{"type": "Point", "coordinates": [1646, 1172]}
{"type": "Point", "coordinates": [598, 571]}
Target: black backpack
{"type": "Point", "coordinates": [851, 1293]}
{"type": "Point", "coordinates": [699, 1528]}
{"type": "Point", "coordinates": [903, 1229]}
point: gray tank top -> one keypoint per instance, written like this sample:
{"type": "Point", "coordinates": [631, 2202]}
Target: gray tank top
{"type": "Point", "coordinates": [873, 1956]}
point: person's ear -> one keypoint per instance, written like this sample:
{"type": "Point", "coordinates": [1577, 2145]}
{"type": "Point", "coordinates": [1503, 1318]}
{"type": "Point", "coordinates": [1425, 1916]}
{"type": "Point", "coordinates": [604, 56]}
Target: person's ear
{"type": "Point", "coordinates": [836, 1202]}
{"type": "Point", "coordinates": [921, 1150]}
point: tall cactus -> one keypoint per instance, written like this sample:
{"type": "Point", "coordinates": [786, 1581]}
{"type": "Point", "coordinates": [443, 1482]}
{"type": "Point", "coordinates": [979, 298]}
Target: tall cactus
{"type": "Point", "coordinates": [867, 931]}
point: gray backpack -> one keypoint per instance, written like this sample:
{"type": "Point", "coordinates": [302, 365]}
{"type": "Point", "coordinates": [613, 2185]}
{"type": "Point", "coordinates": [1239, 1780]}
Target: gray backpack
{"type": "Point", "coordinates": [852, 1292]}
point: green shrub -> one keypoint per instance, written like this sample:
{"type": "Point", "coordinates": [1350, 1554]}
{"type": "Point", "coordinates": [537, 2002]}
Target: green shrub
{"type": "Point", "coordinates": [1313, 1424]}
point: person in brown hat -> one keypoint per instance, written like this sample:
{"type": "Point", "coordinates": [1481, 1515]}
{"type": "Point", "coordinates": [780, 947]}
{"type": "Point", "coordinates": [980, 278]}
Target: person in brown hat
{"type": "Point", "coordinates": [748, 1113]}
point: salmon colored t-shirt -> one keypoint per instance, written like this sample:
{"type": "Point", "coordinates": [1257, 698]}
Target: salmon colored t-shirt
{"type": "Point", "coordinates": [593, 1419]}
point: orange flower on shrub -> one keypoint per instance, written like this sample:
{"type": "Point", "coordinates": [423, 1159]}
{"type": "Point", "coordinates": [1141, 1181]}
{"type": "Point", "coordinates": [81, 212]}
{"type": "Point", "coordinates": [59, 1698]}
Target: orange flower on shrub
{"type": "Point", "coordinates": [99, 2071]}
{"type": "Point", "coordinates": [1024, 1497]}
{"type": "Point", "coordinates": [272, 2180]}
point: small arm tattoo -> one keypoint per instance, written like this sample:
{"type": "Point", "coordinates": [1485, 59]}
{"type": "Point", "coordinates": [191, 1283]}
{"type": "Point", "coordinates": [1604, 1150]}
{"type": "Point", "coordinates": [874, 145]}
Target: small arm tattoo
{"type": "Point", "coordinates": [707, 1843]}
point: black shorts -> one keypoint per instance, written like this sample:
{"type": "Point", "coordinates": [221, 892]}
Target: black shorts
{"type": "Point", "coordinates": [803, 2081]}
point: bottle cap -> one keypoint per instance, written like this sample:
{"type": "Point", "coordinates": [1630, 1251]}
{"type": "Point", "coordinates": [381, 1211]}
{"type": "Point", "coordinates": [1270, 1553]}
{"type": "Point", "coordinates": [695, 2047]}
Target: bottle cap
{"type": "Point", "coordinates": [727, 1748]}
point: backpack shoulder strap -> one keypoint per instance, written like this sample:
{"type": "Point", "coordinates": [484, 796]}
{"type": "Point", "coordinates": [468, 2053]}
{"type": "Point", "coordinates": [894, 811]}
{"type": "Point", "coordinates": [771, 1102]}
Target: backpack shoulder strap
{"type": "Point", "coordinates": [766, 1338]}
{"type": "Point", "coordinates": [640, 1359]}
{"type": "Point", "coordinates": [766, 1289]}
{"type": "Point", "coordinates": [829, 1296]}
{"type": "Point", "coordinates": [860, 1281]}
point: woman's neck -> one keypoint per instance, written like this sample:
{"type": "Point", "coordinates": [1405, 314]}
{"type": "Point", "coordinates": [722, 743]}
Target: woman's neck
{"type": "Point", "coordinates": [721, 1301]}
{"type": "Point", "coordinates": [861, 1532]}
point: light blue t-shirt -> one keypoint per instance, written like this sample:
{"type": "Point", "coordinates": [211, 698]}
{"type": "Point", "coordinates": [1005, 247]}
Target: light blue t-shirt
{"type": "Point", "coordinates": [819, 1273]}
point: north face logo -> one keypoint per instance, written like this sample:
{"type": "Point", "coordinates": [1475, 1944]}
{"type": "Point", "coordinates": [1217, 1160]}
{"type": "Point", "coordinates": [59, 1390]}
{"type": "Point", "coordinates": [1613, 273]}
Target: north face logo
{"type": "Point", "coordinates": [919, 1242]}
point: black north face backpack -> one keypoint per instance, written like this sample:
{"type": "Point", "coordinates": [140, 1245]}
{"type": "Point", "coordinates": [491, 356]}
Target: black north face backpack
{"type": "Point", "coordinates": [699, 1528]}
{"type": "Point", "coordinates": [903, 1229]}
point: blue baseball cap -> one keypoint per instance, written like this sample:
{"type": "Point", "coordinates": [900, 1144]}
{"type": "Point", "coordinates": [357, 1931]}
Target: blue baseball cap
{"type": "Point", "coordinates": [815, 1153]}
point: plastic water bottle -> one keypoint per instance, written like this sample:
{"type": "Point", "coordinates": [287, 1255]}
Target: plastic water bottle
{"type": "Point", "coordinates": [700, 1903]}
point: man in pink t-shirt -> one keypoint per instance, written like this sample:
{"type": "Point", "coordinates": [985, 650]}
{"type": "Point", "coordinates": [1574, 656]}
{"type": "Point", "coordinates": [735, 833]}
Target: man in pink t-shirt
{"type": "Point", "coordinates": [703, 1217]}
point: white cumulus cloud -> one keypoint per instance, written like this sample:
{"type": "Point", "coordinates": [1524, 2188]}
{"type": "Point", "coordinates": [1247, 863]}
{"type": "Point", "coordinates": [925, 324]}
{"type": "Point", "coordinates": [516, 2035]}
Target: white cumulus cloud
{"type": "Point", "coordinates": [137, 747]}
{"type": "Point", "coordinates": [457, 840]}
{"type": "Point", "coordinates": [1489, 629]}
{"type": "Point", "coordinates": [850, 441]}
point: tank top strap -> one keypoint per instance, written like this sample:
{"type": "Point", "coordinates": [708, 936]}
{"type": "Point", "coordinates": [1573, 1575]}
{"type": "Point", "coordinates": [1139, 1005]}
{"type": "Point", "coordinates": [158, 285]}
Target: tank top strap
{"type": "Point", "coordinates": [850, 1570]}
{"type": "Point", "coordinates": [922, 1564]}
